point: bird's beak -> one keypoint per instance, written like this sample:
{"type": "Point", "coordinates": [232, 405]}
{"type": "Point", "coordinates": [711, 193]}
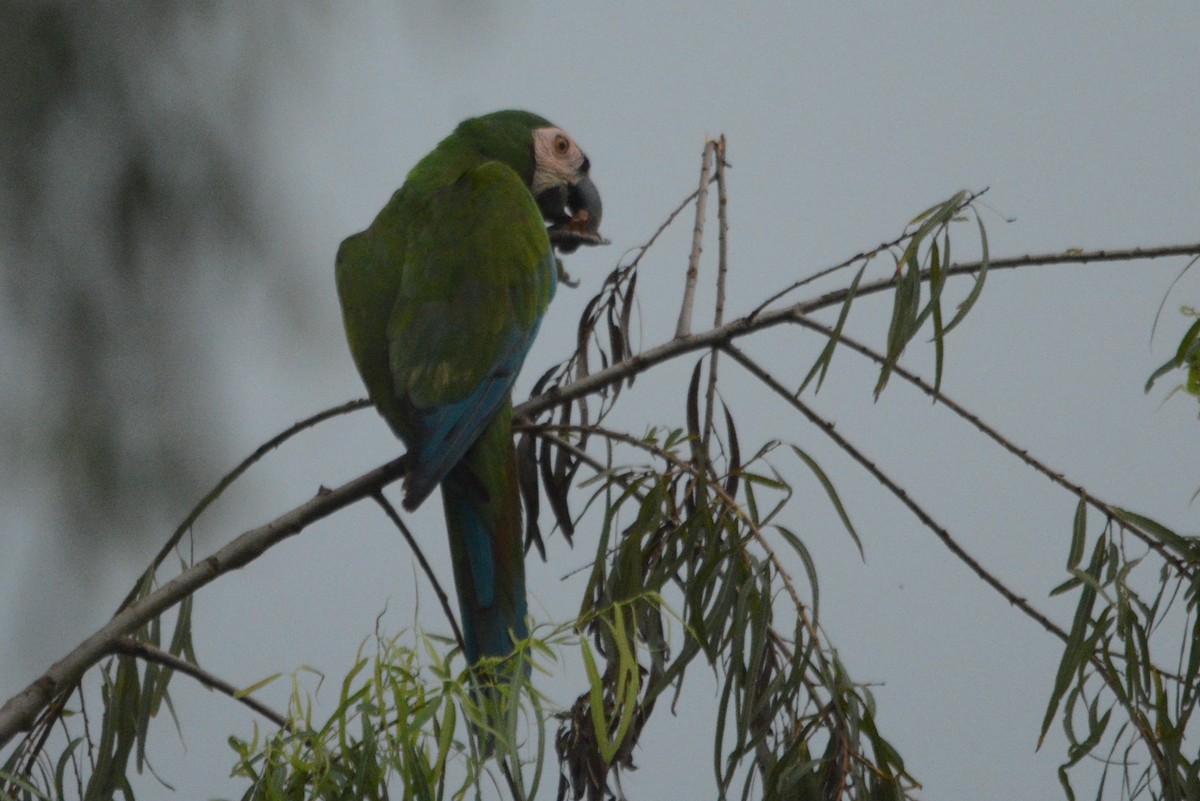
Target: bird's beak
{"type": "Point", "coordinates": [573, 211]}
{"type": "Point", "coordinates": [583, 201]}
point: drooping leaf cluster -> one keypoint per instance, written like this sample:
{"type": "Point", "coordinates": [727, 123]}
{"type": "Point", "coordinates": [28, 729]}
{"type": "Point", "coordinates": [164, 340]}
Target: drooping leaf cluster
{"type": "Point", "coordinates": [1116, 696]}
{"type": "Point", "coordinates": [133, 693]}
{"type": "Point", "coordinates": [1186, 358]}
{"type": "Point", "coordinates": [691, 548]}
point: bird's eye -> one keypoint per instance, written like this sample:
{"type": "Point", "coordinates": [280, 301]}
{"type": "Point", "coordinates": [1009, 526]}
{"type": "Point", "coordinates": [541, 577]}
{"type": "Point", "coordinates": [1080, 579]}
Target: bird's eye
{"type": "Point", "coordinates": [562, 144]}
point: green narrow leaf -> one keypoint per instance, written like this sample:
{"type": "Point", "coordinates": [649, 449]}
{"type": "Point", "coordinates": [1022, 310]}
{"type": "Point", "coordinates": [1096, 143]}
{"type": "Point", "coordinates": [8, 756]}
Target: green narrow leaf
{"type": "Point", "coordinates": [587, 324]}
{"type": "Point", "coordinates": [810, 567]}
{"type": "Point", "coordinates": [181, 640]}
{"type": "Point", "coordinates": [1187, 346]}
{"type": "Point", "coordinates": [258, 685]}
{"type": "Point", "coordinates": [527, 483]}
{"type": "Point", "coordinates": [931, 219]}
{"type": "Point", "coordinates": [724, 776]}
{"type": "Point", "coordinates": [834, 498]}
{"type": "Point", "coordinates": [1184, 547]}
{"type": "Point", "coordinates": [904, 317]}
{"type": "Point", "coordinates": [1170, 365]}
{"type": "Point", "coordinates": [616, 340]}
{"type": "Point", "coordinates": [821, 366]}
{"type": "Point", "coordinates": [556, 494]}
{"type": "Point", "coordinates": [596, 577]}
{"type": "Point", "coordinates": [60, 771]}
{"type": "Point", "coordinates": [627, 680]}
{"type": "Point", "coordinates": [596, 702]}
{"type": "Point", "coordinates": [693, 412]}
{"type": "Point", "coordinates": [937, 282]}
{"type": "Point", "coordinates": [1077, 648]}
{"type": "Point", "coordinates": [938, 277]}
{"type": "Point", "coordinates": [977, 288]}
{"type": "Point", "coordinates": [1078, 535]}
{"type": "Point", "coordinates": [735, 454]}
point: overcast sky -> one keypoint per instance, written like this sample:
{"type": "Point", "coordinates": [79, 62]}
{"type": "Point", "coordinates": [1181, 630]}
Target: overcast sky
{"type": "Point", "coordinates": [843, 120]}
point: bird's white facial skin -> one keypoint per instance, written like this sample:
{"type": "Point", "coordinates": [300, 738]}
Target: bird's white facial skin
{"type": "Point", "coordinates": [557, 158]}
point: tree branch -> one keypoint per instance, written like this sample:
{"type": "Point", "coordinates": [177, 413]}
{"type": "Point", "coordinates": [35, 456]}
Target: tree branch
{"type": "Point", "coordinates": [722, 274]}
{"type": "Point", "coordinates": [1021, 453]}
{"type": "Point", "coordinates": [229, 478]}
{"type": "Point", "coordinates": [20, 711]}
{"type": "Point", "coordinates": [390, 511]}
{"type": "Point", "coordinates": [883, 478]}
{"type": "Point", "coordinates": [684, 326]}
{"type": "Point", "coordinates": [760, 320]}
{"type": "Point", "coordinates": [148, 653]}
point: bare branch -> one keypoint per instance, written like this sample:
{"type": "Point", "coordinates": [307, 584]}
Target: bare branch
{"type": "Point", "coordinates": [684, 327]}
{"type": "Point", "coordinates": [722, 272]}
{"type": "Point", "coordinates": [148, 653]}
{"type": "Point", "coordinates": [889, 484]}
{"type": "Point", "coordinates": [390, 511]}
{"type": "Point", "coordinates": [20, 711]}
{"type": "Point", "coordinates": [229, 478]}
{"type": "Point", "coordinates": [1021, 453]}
{"type": "Point", "coordinates": [760, 320]}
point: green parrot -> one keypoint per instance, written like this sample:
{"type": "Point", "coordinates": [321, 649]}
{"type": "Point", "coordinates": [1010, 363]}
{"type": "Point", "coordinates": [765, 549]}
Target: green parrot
{"type": "Point", "coordinates": [441, 297]}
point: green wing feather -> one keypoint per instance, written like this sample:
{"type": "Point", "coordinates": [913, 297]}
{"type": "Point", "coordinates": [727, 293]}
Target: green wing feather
{"type": "Point", "coordinates": [477, 259]}
{"type": "Point", "coordinates": [442, 296]}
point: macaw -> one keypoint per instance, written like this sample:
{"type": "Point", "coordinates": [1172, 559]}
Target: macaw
{"type": "Point", "coordinates": [441, 298]}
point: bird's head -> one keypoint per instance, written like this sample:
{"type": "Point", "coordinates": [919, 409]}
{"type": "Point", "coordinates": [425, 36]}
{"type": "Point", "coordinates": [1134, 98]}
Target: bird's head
{"type": "Point", "coordinates": [553, 167]}
{"type": "Point", "coordinates": [564, 191]}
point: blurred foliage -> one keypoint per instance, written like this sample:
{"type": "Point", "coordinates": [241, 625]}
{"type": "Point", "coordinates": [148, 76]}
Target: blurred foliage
{"type": "Point", "coordinates": [125, 199]}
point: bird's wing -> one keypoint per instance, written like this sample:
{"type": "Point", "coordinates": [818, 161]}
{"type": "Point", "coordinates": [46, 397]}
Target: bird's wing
{"type": "Point", "coordinates": [477, 275]}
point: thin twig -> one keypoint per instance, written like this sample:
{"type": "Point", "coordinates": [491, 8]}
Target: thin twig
{"type": "Point", "coordinates": [643, 248]}
{"type": "Point", "coordinates": [1058, 478]}
{"type": "Point", "coordinates": [1135, 717]}
{"type": "Point", "coordinates": [20, 711]}
{"type": "Point", "coordinates": [684, 327]}
{"type": "Point", "coordinates": [719, 305]}
{"type": "Point", "coordinates": [390, 511]}
{"type": "Point", "coordinates": [87, 730]}
{"type": "Point", "coordinates": [75, 759]}
{"type": "Point", "coordinates": [149, 653]}
{"type": "Point", "coordinates": [640, 362]}
{"type": "Point", "coordinates": [888, 483]}
{"type": "Point", "coordinates": [229, 478]}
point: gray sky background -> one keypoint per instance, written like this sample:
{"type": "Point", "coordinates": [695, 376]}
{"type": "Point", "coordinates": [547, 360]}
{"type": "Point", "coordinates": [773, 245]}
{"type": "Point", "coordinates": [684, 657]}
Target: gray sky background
{"type": "Point", "coordinates": [843, 121]}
